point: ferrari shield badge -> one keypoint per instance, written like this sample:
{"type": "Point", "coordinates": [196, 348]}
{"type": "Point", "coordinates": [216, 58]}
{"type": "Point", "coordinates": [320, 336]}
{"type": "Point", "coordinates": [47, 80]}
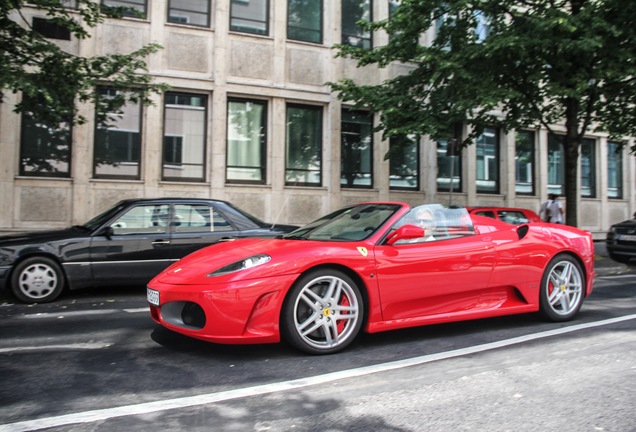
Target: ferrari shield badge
{"type": "Point", "coordinates": [363, 251]}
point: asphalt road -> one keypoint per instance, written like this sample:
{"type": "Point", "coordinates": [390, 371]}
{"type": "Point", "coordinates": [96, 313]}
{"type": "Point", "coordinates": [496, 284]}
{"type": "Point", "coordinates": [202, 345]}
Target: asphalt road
{"type": "Point", "coordinates": [94, 361]}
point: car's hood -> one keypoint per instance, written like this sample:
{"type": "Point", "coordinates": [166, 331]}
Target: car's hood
{"type": "Point", "coordinates": [40, 237]}
{"type": "Point", "coordinates": [287, 257]}
{"type": "Point", "coordinates": [627, 223]}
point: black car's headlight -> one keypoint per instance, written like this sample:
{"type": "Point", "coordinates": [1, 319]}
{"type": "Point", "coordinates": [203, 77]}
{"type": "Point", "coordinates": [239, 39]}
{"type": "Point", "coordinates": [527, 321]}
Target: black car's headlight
{"type": "Point", "coordinates": [243, 264]}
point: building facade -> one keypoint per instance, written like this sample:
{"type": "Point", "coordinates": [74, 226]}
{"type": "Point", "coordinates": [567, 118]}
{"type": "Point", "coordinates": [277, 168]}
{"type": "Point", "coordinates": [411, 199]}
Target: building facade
{"type": "Point", "coordinates": [250, 119]}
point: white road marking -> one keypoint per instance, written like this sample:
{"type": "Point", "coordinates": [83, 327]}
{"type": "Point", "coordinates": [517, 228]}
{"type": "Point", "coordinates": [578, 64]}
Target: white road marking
{"type": "Point", "coordinates": [76, 346]}
{"type": "Point", "coordinates": [169, 404]}
{"type": "Point", "coordinates": [63, 314]}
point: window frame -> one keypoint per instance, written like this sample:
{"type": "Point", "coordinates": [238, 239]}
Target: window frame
{"type": "Point", "coordinates": [592, 168]}
{"type": "Point", "coordinates": [618, 170]}
{"type": "Point", "coordinates": [203, 164]}
{"type": "Point", "coordinates": [320, 30]}
{"type": "Point", "coordinates": [532, 143]}
{"type": "Point", "coordinates": [143, 14]}
{"type": "Point", "coordinates": [346, 36]}
{"type": "Point", "coordinates": [320, 170]}
{"type": "Point", "coordinates": [208, 14]}
{"type": "Point", "coordinates": [263, 142]}
{"type": "Point", "coordinates": [234, 28]}
{"type": "Point", "coordinates": [413, 141]}
{"type": "Point", "coordinates": [488, 161]}
{"type": "Point", "coordinates": [343, 133]}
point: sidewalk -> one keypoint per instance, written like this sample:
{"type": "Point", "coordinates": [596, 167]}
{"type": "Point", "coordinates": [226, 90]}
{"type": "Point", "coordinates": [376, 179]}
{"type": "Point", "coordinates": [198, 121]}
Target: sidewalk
{"type": "Point", "coordinates": [606, 266]}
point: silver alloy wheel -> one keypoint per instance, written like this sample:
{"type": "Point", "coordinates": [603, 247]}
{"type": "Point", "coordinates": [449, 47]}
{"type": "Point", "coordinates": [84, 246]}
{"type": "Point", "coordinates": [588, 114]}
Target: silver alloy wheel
{"type": "Point", "coordinates": [564, 288]}
{"type": "Point", "coordinates": [326, 312]}
{"type": "Point", "coordinates": [38, 280]}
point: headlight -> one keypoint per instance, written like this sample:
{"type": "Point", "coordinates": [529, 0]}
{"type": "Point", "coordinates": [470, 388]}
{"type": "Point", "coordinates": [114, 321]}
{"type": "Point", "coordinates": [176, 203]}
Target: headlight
{"type": "Point", "coordinates": [243, 264]}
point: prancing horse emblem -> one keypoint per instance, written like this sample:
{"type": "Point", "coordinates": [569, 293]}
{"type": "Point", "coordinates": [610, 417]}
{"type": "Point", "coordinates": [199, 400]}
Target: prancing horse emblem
{"type": "Point", "coordinates": [363, 251]}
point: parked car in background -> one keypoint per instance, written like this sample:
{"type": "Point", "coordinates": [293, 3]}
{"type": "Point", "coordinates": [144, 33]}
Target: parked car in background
{"type": "Point", "coordinates": [621, 241]}
{"type": "Point", "coordinates": [126, 245]}
{"type": "Point", "coordinates": [511, 215]}
{"type": "Point", "coordinates": [373, 267]}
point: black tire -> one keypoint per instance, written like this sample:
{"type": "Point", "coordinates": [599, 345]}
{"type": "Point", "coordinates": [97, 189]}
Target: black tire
{"type": "Point", "coordinates": [562, 289]}
{"type": "Point", "coordinates": [323, 312]}
{"type": "Point", "coordinates": [37, 280]}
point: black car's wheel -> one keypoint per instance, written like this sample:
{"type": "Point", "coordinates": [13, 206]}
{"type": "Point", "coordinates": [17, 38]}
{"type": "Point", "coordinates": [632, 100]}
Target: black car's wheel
{"type": "Point", "coordinates": [562, 289]}
{"type": "Point", "coordinates": [37, 280]}
{"type": "Point", "coordinates": [323, 312]}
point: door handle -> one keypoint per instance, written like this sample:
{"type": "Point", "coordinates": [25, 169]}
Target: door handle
{"type": "Point", "coordinates": [160, 242]}
{"type": "Point", "coordinates": [227, 239]}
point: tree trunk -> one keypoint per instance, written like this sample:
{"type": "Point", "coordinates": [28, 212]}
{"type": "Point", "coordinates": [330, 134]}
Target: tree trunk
{"type": "Point", "coordinates": [571, 146]}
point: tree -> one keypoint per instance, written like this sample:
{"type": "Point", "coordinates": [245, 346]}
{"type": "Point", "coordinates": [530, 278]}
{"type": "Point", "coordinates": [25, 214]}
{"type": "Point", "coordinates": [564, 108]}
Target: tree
{"type": "Point", "coordinates": [54, 81]}
{"type": "Point", "coordinates": [510, 64]}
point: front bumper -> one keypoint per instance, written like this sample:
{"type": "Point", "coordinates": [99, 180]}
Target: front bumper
{"type": "Point", "coordinates": [241, 312]}
{"type": "Point", "coordinates": [4, 276]}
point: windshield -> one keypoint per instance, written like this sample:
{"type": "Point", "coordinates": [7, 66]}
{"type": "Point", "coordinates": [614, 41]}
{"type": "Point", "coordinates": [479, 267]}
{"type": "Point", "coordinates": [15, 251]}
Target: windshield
{"type": "Point", "coordinates": [348, 224]}
{"type": "Point", "coordinates": [104, 217]}
{"type": "Point", "coordinates": [438, 223]}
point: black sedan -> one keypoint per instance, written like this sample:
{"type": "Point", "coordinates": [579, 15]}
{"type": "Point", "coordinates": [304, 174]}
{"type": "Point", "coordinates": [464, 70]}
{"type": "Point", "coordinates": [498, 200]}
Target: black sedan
{"type": "Point", "coordinates": [126, 245]}
{"type": "Point", "coordinates": [621, 241]}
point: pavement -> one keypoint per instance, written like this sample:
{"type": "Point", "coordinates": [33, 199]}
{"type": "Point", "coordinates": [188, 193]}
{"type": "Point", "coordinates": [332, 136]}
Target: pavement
{"type": "Point", "coordinates": [605, 266]}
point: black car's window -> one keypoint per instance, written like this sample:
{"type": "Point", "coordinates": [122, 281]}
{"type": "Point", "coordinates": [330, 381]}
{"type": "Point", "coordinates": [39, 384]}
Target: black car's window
{"type": "Point", "coordinates": [199, 218]}
{"type": "Point", "coordinates": [512, 217]}
{"type": "Point", "coordinates": [486, 213]}
{"type": "Point", "coordinates": [143, 219]}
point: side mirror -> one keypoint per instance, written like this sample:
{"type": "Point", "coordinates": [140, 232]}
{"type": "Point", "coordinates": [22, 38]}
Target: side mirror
{"type": "Point", "coordinates": [107, 232]}
{"type": "Point", "coordinates": [405, 232]}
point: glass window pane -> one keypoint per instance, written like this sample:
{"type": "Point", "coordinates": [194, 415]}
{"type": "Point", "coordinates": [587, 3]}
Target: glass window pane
{"type": "Point", "coordinates": [136, 8]}
{"type": "Point", "coordinates": [249, 16]}
{"type": "Point", "coordinates": [45, 151]}
{"type": "Point", "coordinates": [246, 141]}
{"type": "Point", "coordinates": [448, 167]}
{"type": "Point", "coordinates": [304, 145]}
{"type": "Point", "coordinates": [404, 163]}
{"type": "Point", "coordinates": [143, 219]}
{"type": "Point", "coordinates": [356, 149]}
{"type": "Point", "coordinates": [524, 162]}
{"type": "Point", "coordinates": [304, 20]}
{"type": "Point", "coordinates": [488, 162]}
{"type": "Point", "coordinates": [556, 165]}
{"type": "Point", "coordinates": [614, 170]}
{"type": "Point", "coordinates": [352, 12]}
{"type": "Point", "coordinates": [193, 12]}
{"type": "Point", "coordinates": [588, 168]}
{"type": "Point", "coordinates": [117, 152]}
{"type": "Point", "coordinates": [184, 137]}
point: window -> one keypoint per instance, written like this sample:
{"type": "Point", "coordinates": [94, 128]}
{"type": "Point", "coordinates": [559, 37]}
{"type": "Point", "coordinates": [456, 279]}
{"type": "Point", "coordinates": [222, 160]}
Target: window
{"type": "Point", "coordinates": [404, 163]}
{"type": "Point", "coordinates": [246, 140]}
{"type": "Point", "coordinates": [524, 162]}
{"type": "Point", "coordinates": [143, 219]}
{"type": "Point", "coordinates": [356, 149]}
{"type": "Point", "coordinates": [304, 20]}
{"type": "Point", "coordinates": [134, 8]}
{"type": "Point", "coordinates": [449, 165]}
{"type": "Point", "coordinates": [49, 29]}
{"type": "Point", "coordinates": [193, 12]}
{"type": "Point", "coordinates": [556, 165]}
{"type": "Point", "coordinates": [588, 168]}
{"type": "Point", "coordinates": [250, 16]}
{"type": "Point", "coordinates": [117, 152]}
{"type": "Point", "coordinates": [614, 170]}
{"type": "Point", "coordinates": [482, 25]}
{"type": "Point", "coordinates": [352, 12]}
{"type": "Point", "coordinates": [184, 137]}
{"type": "Point", "coordinates": [193, 218]}
{"type": "Point", "coordinates": [304, 146]}
{"type": "Point", "coordinates": [45, 150]}
{"type": "Point", "coordinates": [488, 162]}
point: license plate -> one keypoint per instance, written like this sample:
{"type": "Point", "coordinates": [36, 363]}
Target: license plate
{"type": "Point", "coordinates": [627, 237]}
{"type": "Point", "coordinates": [153, 296]}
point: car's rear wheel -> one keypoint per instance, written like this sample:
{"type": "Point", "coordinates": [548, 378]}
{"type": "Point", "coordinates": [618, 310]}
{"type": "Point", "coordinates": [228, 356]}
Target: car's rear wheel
{"type": "Point", "coordinates": [37, 280]}
{"type": "Point", "coordinates": [562, 289]}
{"type": "Point", "coordinates": [323, 312]}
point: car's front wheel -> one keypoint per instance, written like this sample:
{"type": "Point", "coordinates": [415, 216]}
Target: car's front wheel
{"type": "Point", "coordinates": [562, 289]}
{"type": "Point", "coordinates": [323, 312]}
{"type": "Point", "coordinates": [37, 280]}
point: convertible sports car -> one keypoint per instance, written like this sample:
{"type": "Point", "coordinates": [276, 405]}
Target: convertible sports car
{"type": "Point", "coordinates": [126, 245]}
{"type": "Point", "coordinates": [373, 267]}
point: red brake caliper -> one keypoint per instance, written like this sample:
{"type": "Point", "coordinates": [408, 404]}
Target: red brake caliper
{"type": "Point", "coordinates": [340, 325]}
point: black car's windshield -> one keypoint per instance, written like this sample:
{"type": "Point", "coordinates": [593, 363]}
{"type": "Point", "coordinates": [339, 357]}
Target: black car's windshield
{"type": "Point", "coordinates": [348, 224]}
{"type": "Point", "coordinates": [104, 217]}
